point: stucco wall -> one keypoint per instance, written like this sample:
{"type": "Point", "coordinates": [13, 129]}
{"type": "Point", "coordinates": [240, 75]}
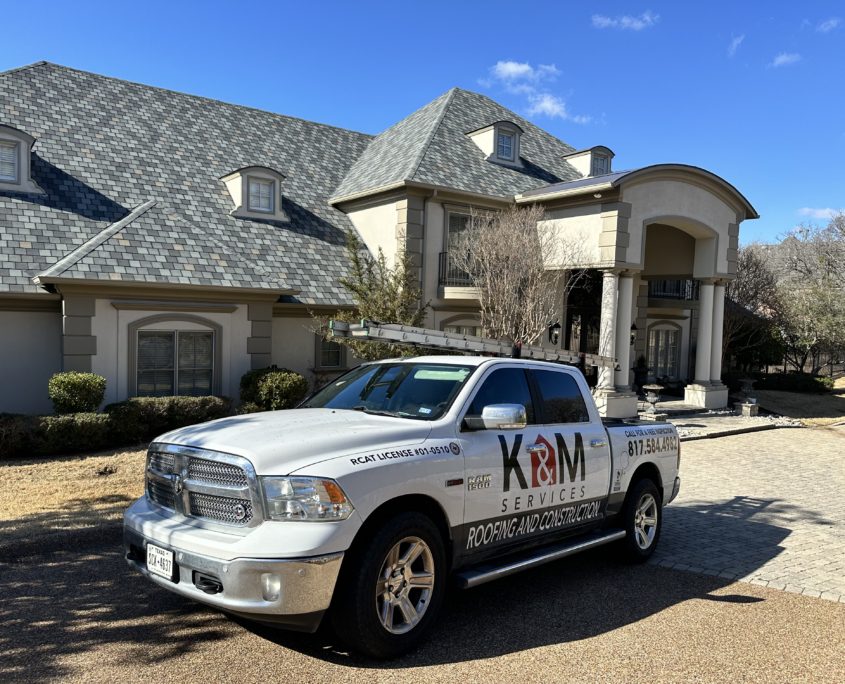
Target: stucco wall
{"type": "Point", "coordinates": [111, 327]}
{"type": "Point", "coordinates": [669, 252]}
{"type": "Point", "coordinates": [377, 227]}
{"type": "Point", "coordinates": [695, 208]}
{"type": "Point", "coordinates": [580, 227]}
{"type": "Point", "coordinates": [30, 352]}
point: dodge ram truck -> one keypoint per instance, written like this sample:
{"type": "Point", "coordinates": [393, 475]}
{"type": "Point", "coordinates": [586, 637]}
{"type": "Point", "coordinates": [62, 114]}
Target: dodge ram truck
{"type": "Point", "coordinates": [394, 480]}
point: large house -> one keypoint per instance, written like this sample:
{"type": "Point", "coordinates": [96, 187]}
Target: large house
{"type": "Point", "coordinates": [171, 243]}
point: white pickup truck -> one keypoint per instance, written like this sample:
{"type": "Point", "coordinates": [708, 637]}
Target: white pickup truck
{"type": "Point", "coordinates": [388, 482]}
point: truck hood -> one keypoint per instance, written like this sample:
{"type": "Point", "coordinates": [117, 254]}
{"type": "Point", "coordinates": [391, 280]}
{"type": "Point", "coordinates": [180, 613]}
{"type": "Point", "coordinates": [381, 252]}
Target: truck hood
{"type": "Point", "coordinates": [280, 442]}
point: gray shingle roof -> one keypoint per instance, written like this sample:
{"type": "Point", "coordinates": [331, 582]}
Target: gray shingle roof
{"type": "Point", "coordinates": [431, 146]}
{"type": "Point", "coordinates": [104, 147]}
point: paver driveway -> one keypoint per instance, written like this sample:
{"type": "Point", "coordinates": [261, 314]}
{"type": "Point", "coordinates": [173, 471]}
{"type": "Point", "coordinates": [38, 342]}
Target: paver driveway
{"type": "Point", "coordinates": [767, 507]}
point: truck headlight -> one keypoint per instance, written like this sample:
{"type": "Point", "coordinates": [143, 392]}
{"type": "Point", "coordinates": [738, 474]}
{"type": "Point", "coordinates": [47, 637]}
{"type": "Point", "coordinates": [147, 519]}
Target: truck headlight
{"type": "Point", "coordinates": [304, 498]}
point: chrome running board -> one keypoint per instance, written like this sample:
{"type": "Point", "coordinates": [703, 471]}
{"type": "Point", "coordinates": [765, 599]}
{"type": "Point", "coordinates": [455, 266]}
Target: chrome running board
{"type": "Point", "coordinates": [488, 572]}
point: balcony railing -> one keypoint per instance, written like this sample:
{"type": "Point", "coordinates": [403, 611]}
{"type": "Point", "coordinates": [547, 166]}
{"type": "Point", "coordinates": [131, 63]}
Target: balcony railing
{"type": "Point", "coordinates": [450, 276]}
{"type": "Point", "coordinates": [673, 289]}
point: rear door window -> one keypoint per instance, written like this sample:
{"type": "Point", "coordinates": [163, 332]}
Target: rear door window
{"type": "Point", "coordinates": [561, 400]}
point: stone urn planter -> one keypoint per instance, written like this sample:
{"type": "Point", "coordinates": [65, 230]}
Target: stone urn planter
{"type": "Point", "coordinates": [652, 396]}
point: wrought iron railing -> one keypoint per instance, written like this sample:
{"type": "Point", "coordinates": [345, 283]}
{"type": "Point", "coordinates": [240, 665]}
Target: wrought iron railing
{"type": "Point", "coordinates": [450, 276]}
{"type": "Point", "coordinates": [673, 289]}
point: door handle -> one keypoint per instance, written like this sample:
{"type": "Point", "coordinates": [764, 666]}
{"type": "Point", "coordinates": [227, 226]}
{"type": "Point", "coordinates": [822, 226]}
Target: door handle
{"type": "Point", "coordinates": [597, 443]}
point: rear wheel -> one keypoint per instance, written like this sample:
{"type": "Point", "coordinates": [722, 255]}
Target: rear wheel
{"type": "Point", "coordinates": [642, 516]}
{"type": "Point", "coordinates": [392, 588]}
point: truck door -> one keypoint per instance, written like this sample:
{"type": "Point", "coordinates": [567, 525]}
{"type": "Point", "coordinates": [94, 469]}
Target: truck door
{"type": "Point", "coordinates": [570, 458]}
{"type": "Point", "coordinates": [540, 480]}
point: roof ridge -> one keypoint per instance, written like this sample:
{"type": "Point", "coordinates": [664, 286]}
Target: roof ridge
{"type": "Point", "coordinates": [40, 62]}
{"type": "Point", "coordinates": [191, 95]}
{"type": "Point", "coordinates": [92, 243]}
{"type": "Point", "coordinates": [424, 148]}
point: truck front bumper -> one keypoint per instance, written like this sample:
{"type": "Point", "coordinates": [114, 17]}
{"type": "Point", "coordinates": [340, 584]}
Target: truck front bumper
{"type": "Point", "coordinates": [291, 593]}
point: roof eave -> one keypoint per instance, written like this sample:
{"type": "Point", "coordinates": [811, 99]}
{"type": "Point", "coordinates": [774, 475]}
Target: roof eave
{"type": "Point", "coordinates": [44, 280]}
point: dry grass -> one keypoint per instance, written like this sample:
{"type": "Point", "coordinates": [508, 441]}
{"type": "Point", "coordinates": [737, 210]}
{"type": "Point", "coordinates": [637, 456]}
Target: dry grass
{"type": "Point", "coordinates": [810, 409]}
{"type": "Point", "coordinates": [59, 500]}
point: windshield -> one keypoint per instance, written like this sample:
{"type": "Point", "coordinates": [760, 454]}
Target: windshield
{"type": "Point", "coordinates": [423, 391]}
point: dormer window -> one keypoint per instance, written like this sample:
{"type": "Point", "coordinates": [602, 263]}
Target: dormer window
{"type": "Point", "coordinates": [261, 194]}
{"type": "Point", "coordinates": [504, 148]}
{"type": "Point", "coordinates": [601, 165]}
{"type": "Point", "coordinates": [499, 142]}
{"type": "Point", "coordinates": [15, 155]}
{"type": "Point", "coordinates": [256, 193]}
{"type": "Point", "coordinates": [593, 161]}
{"type": "Point", "coordinates": [9, 156]}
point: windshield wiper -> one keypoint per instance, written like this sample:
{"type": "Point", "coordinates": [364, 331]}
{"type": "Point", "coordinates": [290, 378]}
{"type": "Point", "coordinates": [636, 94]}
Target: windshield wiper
{"type": "Point", "coordinates": [377, 412]}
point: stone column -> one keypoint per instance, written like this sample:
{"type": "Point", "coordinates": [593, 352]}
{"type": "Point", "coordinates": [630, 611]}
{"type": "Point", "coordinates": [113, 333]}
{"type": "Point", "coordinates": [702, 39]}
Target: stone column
{"type": "Point", "coordinates": [259, 345]}
{"type": "Point", "coordinates": [78, 342]}
{"type": "Point", "coordinates": [705, 334]}
{"type": "Point", "coordinates": [624, 307]}
{"type": "Point", "coordinates": [607, 327]}
{"type": "Point", "coordinates": [716, 343]}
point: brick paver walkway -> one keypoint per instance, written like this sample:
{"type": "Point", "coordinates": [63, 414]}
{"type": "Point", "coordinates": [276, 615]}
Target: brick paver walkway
{"type": "Point", "coordinates": [766, 508]}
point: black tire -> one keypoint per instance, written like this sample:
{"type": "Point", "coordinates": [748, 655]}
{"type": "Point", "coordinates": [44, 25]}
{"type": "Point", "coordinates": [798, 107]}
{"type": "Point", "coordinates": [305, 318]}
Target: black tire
{"type": "Point", "coordinates": [642, 503]}
{"type": "Point", "coordinates": [363, 601]}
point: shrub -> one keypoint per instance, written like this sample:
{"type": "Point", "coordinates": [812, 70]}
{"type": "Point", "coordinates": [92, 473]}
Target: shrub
{"type": "Point", "coordinates": [140, 419]}
{"type": "Point", "coordinates": [249, 407]}
{"type": "Point", "coordinates": [70, 432]}
{"type": "Point", "coordinates": [250, 380]}
{"type": "Point", "coordinates": [73, 392]}
{"type": "Point", "coordinates": [281, 390]}
{"type": "Point", "coordinates": [15, 433]}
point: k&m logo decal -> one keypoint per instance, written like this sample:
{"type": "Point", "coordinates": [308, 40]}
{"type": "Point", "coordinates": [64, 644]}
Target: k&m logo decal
{"type": "Point", "coordinates": [550, 465]}
{"type": "Point", "coordinates": [543, 466]}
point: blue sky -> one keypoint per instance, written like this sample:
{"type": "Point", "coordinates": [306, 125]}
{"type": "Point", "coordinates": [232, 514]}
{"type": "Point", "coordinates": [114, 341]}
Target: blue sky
{"type": "Point", "coordinates": [751, 91]}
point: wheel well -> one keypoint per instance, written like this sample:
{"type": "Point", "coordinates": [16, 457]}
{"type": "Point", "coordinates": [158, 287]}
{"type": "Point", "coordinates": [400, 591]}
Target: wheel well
{"type": "Point", "coordinates": [648, 471]}
{"type": "Point", "coordinates": [402, 504]}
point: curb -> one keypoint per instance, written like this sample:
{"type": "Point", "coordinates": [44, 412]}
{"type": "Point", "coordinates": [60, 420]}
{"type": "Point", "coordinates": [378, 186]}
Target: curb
{"type": "Point", "coordinates": [738, 431]}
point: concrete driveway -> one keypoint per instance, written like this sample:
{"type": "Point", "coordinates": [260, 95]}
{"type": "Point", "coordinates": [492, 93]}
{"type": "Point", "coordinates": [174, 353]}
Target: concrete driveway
{"type": "Point", "coordinates": [82, 616]}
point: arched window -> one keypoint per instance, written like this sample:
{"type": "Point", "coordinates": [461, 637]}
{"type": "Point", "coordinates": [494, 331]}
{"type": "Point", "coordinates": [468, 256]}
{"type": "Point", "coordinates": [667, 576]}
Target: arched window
{"type": "Point", "coordinates": [174, 355]}
{"type": "Point", "coordinates": [664, 350]}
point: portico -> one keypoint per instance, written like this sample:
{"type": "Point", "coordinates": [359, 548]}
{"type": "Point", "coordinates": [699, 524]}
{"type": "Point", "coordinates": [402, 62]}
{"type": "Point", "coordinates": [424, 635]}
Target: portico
{"type": "Point", "coordinates": [665, 240]}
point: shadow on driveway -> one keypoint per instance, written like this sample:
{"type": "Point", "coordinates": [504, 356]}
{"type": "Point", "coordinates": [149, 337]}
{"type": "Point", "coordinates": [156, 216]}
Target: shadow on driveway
{"type": "Point", "coordinates": [87, 602]}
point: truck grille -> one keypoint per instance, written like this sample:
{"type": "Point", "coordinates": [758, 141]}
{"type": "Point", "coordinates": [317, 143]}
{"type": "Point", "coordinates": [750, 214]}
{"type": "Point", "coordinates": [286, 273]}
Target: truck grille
{"type": "Point", "coordinates": [221, 508]}
{"type": "Point", "coordinates": [212, 487]}
{"type": "Point", "coordinates": [216, 473]}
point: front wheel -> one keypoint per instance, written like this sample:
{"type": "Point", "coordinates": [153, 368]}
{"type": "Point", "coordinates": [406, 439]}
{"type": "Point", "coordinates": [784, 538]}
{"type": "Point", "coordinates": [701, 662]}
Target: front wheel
{"type": "Point", "coordinates": [642, 516]}
{"type": "Point", "coordinates": [392, 590]}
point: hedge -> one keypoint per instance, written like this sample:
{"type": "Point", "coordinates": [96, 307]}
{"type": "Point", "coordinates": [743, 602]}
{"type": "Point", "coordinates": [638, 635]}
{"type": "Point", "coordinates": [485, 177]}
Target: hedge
{"type": "Point", "coordinates": [74, 392]}
{"type": "Point", "coordinates": [122, 424]}
{"type": "Point", "coordinates": [271, 389]}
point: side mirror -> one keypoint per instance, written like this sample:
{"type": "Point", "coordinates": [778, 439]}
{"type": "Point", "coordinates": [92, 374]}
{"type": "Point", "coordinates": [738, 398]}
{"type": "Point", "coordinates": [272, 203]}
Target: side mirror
{"type": "Point", "coordinates": [504, 417]}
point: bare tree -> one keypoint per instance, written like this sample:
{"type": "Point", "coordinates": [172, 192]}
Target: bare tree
{"type": "Point", "coordinates": [752, 302]}
{"type": "Point", "coordinates": [811, 280]}
{"type": "Point", "coordinates": [519, 269]}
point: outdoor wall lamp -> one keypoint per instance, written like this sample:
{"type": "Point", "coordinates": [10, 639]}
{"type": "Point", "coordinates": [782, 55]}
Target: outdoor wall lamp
{"type": "Point", "coordinates": [633, 333]}
{"type": "Point", "coordinates": [554, 333]}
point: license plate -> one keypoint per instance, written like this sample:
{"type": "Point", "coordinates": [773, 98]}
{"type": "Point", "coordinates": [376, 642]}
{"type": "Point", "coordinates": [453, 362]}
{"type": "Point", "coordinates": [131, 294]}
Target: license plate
{"type": "Point", "coordinates": [160, 561]}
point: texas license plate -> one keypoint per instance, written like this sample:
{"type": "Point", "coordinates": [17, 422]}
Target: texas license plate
{"type": "Point", "coordinates": [160, 561]}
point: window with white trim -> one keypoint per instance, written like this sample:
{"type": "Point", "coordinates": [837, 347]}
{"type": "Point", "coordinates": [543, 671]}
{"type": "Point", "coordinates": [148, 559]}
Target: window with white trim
{"type": "Point", "coordinates": [174, 362]}
{"type": "Point", "coordinates": [463, 329]}
{"type": "Point", "coordinates": [9, 160]}
{"type": "Point", "coordinates": [261, 195]}
{"type": "Point", "coordinates": [504, 146]}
